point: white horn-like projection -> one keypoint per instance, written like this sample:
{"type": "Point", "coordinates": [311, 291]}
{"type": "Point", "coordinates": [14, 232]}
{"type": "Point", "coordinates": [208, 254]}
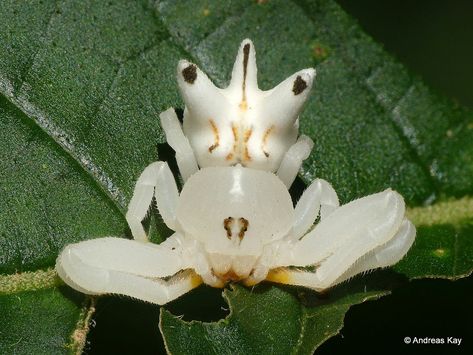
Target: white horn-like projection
{"type": "Point", "coordinates": [242, 124]}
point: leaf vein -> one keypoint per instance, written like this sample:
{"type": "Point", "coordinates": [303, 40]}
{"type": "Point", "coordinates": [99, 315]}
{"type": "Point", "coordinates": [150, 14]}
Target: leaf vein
{"type": "Point", "coordinates": [67, 143]}
{"type": "Point", "coordinates": [29, 281]}
{"type": "Point", "coordinates": [300, 339]}
{"type": "Point", "coordinates": [42, 38]}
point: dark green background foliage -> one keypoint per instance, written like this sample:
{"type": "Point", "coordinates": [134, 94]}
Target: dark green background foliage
{"type": "Point", "coordinates": [81, 87]}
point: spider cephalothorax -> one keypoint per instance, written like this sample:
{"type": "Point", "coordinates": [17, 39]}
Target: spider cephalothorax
{"type": "Point", "coordinates": [238, 224]}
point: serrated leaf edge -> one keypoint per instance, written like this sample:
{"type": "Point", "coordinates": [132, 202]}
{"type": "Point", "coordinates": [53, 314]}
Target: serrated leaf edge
{"type": "Point", "coordinates": [79, 335]}
{"type": "Point", "coordinates": [234, 288]}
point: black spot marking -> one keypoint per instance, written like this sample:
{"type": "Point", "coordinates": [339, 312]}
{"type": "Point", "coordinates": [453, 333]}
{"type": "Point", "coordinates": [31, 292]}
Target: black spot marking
{"type": "Point", "coordinates": [246, 55]}
{"type": "Point", "coordinates": [299, 85]}
{"type": "Point", "coordinates": [190, 73]}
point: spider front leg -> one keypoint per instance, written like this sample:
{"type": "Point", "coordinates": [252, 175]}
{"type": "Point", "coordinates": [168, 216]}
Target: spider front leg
{"type": "Point", "coordinates": [384, 255]}
{"type": "Point", "coordinates": [175, 137]}
{"type": "Point", "coordinates": [127, 267]}
{"type": "Point", "coordinates": [367, 233]}
{"type": "Point", "coordinates": [318, 198]}
{"type": "Point", "coordinates": [156, 180]}
{"type": "Point", "coordinates": [292, 160]}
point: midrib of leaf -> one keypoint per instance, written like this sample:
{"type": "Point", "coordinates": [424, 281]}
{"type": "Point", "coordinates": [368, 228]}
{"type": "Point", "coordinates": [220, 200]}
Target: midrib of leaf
{"type": "Point", "coordinates": [66, 143]}
{"type": "Point", "coordinates": [72, 149]}
{"type": "Point", "coordinates": [60, 137]}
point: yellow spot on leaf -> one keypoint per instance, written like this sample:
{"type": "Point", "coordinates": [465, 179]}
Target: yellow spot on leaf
{"type": "Point", "coordinates": [320, 51]}
{"type": "Point", "coordinates": [440, 252]}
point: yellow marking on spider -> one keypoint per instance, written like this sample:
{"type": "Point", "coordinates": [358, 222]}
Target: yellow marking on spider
{"type": "Point", "coordinates": [279, 275]}
{"type": "Point", "coordinates": [266, 135]}
{"type": "Point", "coordinates": [250, 282]}
{"type": "Point", "coordinates": [196, 280]}
{"type": "Point", "coordinates": [216, 136]}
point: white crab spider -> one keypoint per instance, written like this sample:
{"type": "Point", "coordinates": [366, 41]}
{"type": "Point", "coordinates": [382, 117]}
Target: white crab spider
{"type": "Point", "coordinates": [237, 224]}
{"type": "Point", "coordinates": [242, 124]}
{"type": "Point", "coordinates": [233, 223]}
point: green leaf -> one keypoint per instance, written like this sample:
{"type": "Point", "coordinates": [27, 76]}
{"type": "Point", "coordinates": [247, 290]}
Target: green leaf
{"type": "Point", "coordinates": [38, 317]}
{"type": "Point", "coordinates": [443, 246]}
{"type": "Point", "coordinates": [81, 87]}
{"type": "Point", "coordinates": [266, 320]}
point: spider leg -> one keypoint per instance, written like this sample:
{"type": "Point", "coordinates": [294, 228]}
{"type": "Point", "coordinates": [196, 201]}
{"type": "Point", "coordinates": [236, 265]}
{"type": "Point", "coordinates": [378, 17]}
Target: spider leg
{"type": "Point", "coordinates": [127, 267]}
{"type": "Point", "coordinates": [175, 137]}
{"type": "Point", "coordinates": [156, 180]}
{"type": "Point", "coordinates": [318, 197]}
{"type": "Point", "coordinates": [382, 256]}
{"type": "Point", "coordinates": [293, 158]}
{"type": "Point", "coordinates": [348, 234]}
